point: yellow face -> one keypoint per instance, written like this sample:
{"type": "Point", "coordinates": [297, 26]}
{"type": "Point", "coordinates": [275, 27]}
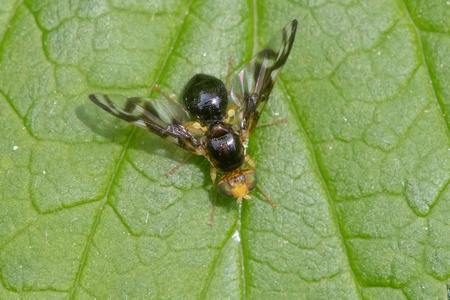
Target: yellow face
{"type": "Point", "coordinates": [239, 189]}
{"type": "Point", "coordinates": [237, 183]}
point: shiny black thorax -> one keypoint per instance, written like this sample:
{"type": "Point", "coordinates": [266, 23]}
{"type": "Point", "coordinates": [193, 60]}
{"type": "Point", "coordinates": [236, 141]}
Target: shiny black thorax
{"type": "Point", "coordinates": [225, 148]}
{"type": "Point", "coordinates": [206, 98]}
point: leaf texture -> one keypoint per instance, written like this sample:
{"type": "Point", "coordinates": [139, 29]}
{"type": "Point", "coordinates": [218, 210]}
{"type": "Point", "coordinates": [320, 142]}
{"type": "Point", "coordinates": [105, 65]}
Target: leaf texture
{"type": "Point", "coordinates": [360, 172]}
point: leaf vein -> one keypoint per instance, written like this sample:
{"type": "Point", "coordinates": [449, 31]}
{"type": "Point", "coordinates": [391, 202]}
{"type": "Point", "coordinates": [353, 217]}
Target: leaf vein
{"type": "Point", "coordinates": [321, 178]}
{"type": "Point", "coordinates": [98, 217]}
{"type": "Point", "coordinates": [9, 21]}
{"type": "Point", "coordinates": [125, 148]}
{"type": "Point", "coordinates": [424, 61]}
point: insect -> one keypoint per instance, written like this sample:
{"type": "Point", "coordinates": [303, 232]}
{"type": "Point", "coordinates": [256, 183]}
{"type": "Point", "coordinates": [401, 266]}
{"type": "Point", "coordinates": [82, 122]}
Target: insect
{"type": "Point", "coordinates": [216, 120]}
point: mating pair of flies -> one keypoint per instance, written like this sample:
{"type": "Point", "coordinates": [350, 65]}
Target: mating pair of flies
{"type": "Point", "coordinates": [216, 120]}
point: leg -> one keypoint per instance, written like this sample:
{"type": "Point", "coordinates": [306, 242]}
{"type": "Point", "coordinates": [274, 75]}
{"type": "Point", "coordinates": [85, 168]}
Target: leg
{"type": "Point", "coordinates": [272, 123]}
{"type": "Point", "coordinates": [213, 174]}
{"type": "Point", "coordinates": [157, 89]}
{"type": "Point", "coordinates": [214, 205]}
{"type": "Point", "coordinates": [178, 166]}
{"type": "Point", "coordinates": [265, 195]}
{"type": "Point", "coordinates": [252, 164]}
{"type": "Point", "coordinates": [250, 161]}
{"type": "Point", "coordinates": [230, 63]}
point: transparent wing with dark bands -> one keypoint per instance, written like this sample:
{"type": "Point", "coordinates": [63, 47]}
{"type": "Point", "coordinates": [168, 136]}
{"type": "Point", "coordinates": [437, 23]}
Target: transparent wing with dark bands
{"type": "Point", "coordinates": [162, 117]}
{"type": "Point", "coordinates": [252, 85]}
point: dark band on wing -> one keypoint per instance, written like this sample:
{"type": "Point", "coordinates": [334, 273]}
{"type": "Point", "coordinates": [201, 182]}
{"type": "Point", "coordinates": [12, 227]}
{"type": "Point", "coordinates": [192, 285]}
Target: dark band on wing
{"type": "Point", "coordinates": [149, 119]}
{"type": "Point", "coordinates": [268, 64]}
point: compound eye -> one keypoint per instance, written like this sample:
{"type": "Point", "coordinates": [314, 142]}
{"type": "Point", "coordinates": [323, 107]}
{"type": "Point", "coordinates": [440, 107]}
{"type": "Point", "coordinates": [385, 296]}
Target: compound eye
{"type": "Point", "coordinates": [251, 180]}
{"type": "Point", "coordinates": [237, 183]}
{"type": "Point", "coordinates": [224, 188]}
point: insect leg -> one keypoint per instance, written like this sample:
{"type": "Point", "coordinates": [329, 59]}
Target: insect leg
{"type": "Point", "coordinates": [267, 196]}
{"type": "Point", "coordinates": [273, 123]}
{"type": "Point", "coordinates": [250, 161]}
{"type": "Point", "coordinates": [213, 174]}
{"type": "Point", "coordinates": [252, 164]}
{"type": "Point", "coordinates": [179, 165]}
{"type": "Point", "coordinates": [157, 89]}
{"type": "Point", "coordinates": [230, 64]}
{"type": "Point", "coordinates": [214, 206]}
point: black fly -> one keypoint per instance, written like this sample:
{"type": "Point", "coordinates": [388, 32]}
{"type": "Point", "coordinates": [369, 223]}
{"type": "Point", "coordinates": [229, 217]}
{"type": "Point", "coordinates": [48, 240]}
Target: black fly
{"type": "Point", "coordinates": [216, 120]}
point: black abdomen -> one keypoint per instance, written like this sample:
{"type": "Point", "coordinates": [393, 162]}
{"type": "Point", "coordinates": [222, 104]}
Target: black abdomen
{"type": "Point", "coordinates": [206, 98]}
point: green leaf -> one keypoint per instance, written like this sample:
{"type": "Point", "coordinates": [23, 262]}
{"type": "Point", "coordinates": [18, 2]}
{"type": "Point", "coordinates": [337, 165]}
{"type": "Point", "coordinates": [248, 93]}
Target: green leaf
{"type": "Point", "coordinates": [360, 172]}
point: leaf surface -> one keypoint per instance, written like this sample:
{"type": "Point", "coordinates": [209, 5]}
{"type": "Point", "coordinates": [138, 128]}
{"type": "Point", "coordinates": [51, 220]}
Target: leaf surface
{"type": "Point", "coordinates": [360, 172]}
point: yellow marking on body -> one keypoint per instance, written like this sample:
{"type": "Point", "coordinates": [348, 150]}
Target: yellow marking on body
{"type": "Point", "coordinates": [230, 114]}
{"type": "Point", "coordinates": [197, 125]}
{"type": "Point", "coordinates": [195, 128]}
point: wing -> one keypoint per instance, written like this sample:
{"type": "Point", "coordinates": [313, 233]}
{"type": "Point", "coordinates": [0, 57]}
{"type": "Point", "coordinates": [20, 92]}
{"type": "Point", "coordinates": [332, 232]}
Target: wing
{"type": "Point", "coordinates": [162, 117]}
{"type": "Point", "coordinates": [250, 87]}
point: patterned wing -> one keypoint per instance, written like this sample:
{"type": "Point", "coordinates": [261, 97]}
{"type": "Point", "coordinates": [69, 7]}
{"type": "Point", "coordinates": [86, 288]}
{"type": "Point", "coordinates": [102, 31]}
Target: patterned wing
{"type": "Point", "coordinates": [251, 86]}
{"type": "Point", "coordinates": [162, 117]}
